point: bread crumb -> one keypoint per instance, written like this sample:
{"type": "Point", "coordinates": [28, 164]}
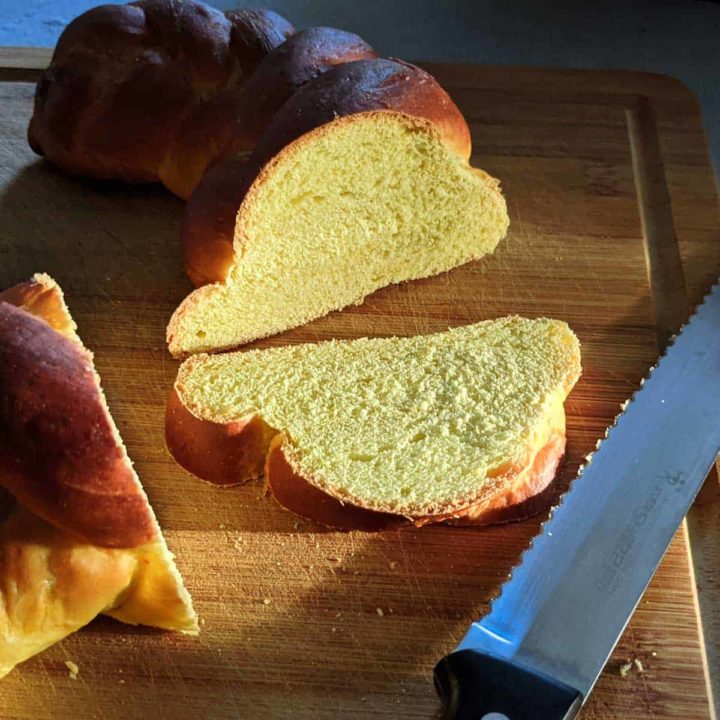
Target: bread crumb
{"type": "Point", "coordinates": [393, 565]}
{"type": "Point", "coordinates": [121, 682]}
{"type": "Point", "coordinates": [222, 526]}
{"type": "Point", "coordinates": [73, 669]}
{"type": "Point", "coordinates": [639, 665]}
{"type": "Point", "coordinates": [238, 543]}
{"type": "Point", "coordinates": [334, 629]}
{"type": "Point", "coordinates": [625, 668]}
{"type": "Point", "coordinates": [267, 601]}
{"type": "Point", "coordinates": [653, 653]}
{"type": "Point", "coordinates": [380, 612]}
{"type": "Point", "coordinates": [202, 621]}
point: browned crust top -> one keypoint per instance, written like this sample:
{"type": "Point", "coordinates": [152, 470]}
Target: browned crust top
{"type": "Point", "coordinates": [60, 454]}
{"type": "Point", "coordinates": [123, 77]}
{"type": "Point", "coordinates": [362, 86]}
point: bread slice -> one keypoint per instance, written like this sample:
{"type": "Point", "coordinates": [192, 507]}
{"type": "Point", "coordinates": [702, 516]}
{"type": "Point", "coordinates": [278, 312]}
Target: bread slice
{"type": "Point", "coordinates": [208, 226]}
{"type": "Point", "coordinates": [359, 203]}
{"type": "Point", "coordinates": [454, 425]}
{"type": "Point", "coordinates": [81, 538]}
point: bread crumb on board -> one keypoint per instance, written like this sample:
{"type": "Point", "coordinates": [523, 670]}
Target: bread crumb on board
{"type": "Point", "coordinates": [627, 667]}
{"type": "Point", "coordinates": [73, 669]}
{"type": "Point", "coordinates": [380, 612]}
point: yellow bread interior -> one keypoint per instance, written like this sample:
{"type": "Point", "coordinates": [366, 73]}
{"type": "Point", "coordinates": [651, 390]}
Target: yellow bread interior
{"type": "Point", "coordinates": [415, 426]}
{"type": "Point", "coordinates": [363, 202]}
{"type": "Point", "coordinates": [52, 585]}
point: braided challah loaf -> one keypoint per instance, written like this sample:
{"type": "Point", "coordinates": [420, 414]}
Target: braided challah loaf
{"type": "Point", "coordinates": [159, 90]}
{"type": "Point", "coordinates": [230, 128]}
{"type": "Point", "coordinates": [128, 82]}
{"type": "Point", "coordinates": [79, 538]}
{"type": "Point", "coordinates": [208, 103]}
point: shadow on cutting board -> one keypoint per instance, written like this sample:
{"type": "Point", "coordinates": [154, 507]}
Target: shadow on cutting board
{"type": "Point", "coordinates": [299, 622]}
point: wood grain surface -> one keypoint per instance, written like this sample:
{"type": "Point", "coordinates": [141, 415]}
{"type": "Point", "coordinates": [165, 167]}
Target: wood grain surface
{"type": "Point", "coordinates": [304, 623]}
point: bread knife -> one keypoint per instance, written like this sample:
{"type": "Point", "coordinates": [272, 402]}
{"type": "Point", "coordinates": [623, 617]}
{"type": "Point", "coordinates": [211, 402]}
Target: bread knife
{"type": "Point", "coordinates": [541, 648]}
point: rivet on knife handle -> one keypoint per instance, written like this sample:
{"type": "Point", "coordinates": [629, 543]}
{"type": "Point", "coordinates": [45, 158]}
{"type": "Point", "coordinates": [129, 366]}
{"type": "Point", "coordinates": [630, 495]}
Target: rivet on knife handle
{"type": "Point", "coordinates": [479, 686]}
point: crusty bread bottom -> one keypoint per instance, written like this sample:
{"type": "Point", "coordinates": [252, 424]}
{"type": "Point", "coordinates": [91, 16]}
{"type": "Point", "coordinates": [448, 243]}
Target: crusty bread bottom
{"type": "Point", "coordinates": [232, 454]}
{"type": "Point", "coordinates": [223, 454]}
{"type": "Point", "coordinates": [522, 494]}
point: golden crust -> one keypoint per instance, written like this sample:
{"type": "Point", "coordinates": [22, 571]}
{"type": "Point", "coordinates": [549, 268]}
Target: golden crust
{"type": "Point", "coordinates": [206, 236]}
{"type": "Point", "coordinates": [301, 497]}
{"type": "Point", "coordinates": [43, 298]}
{"type": "Point", "coordinates": [59, 449]}
{"type": "Point", "coordinates": [222, 454]}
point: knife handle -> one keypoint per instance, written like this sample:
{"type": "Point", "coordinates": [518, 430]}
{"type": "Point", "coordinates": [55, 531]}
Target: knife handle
{"type": "Point", "coordinates": [478, 686]}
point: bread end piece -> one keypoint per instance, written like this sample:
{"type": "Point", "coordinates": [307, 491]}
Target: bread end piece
{"type": "Point", "coordinates": [82, 538]}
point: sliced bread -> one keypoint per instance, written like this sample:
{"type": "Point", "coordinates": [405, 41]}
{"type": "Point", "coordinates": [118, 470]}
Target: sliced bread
{"type": "Point", "coordinates": [81, 538]}
{"type": "Point", "coordinates": [454, 425]}
{"type": "Point", "coordinates": [362, 202]}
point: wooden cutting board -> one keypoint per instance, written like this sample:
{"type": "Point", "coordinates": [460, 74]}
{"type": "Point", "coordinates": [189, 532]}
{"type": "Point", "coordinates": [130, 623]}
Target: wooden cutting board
{"type": "Point", "coordinates": [304, 623]}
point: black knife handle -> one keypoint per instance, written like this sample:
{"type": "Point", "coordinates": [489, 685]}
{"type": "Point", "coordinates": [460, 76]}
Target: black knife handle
{"type": "Point", "coordinates": [476, 686]}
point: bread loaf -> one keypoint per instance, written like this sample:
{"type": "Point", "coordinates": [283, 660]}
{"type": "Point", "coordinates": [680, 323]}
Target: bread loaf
{"type": "Point", "coordinates": [208, 136]}
{"type": "Point", "coordinates": [147, 91]}
{"type": "Point", "coordinates": [81, 538]}
{"type": "Point", "coordinates": [209, 224]}
{"type": "Point", "coordinates": [455, 426]}
{"type": "Point", "coordinates": [159, 90]}
{"type": "Point", "coordinates": [326, 173]}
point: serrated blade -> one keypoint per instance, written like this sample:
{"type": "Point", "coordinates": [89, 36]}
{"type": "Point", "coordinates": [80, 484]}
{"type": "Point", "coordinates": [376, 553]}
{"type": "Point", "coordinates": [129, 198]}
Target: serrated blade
{"type": "Point", "coordinates": [566, 604]}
